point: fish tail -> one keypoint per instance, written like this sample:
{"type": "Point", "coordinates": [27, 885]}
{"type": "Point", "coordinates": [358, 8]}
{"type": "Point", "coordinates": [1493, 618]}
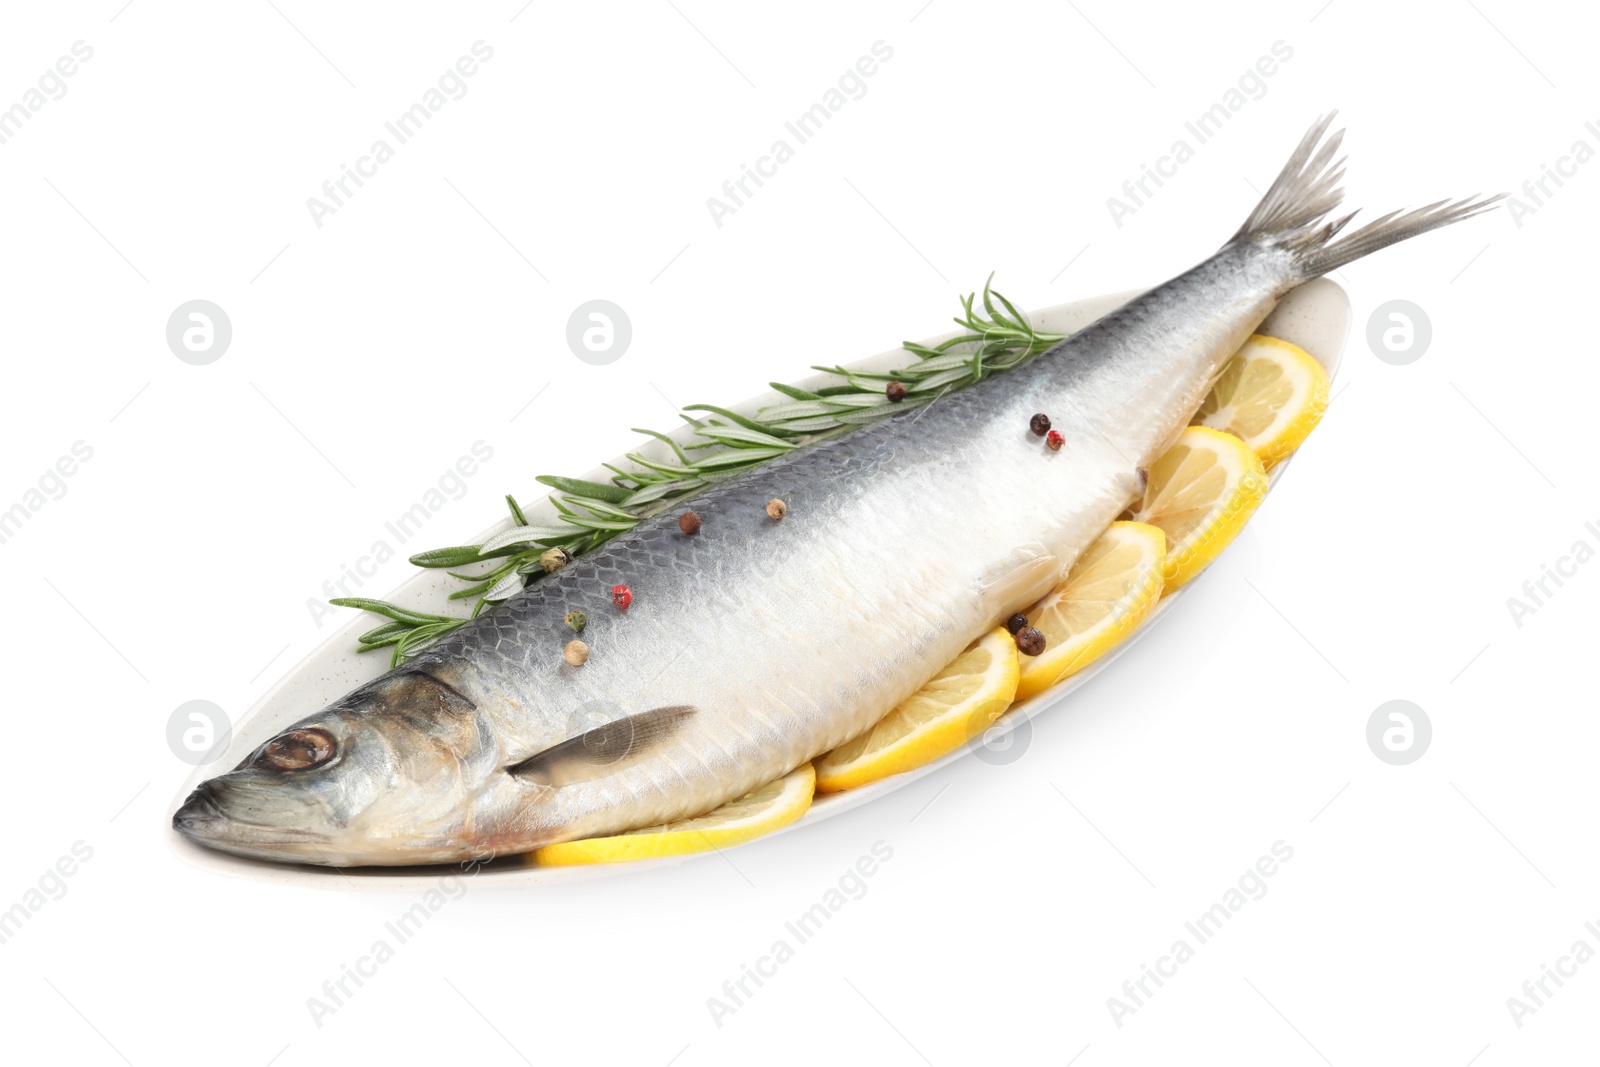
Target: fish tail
{"type": "Point", "coordinates": [1291, 213]}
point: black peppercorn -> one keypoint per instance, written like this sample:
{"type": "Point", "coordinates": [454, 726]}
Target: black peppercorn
{"type": "Point", "coordinates": [1039, 424]}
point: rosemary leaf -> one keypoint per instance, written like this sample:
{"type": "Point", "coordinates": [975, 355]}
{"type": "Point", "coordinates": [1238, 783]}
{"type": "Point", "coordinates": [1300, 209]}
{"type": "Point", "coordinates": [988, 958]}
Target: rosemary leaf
{"type": "Point", "coordinates": [622, 475]}
{"type": "Point", "coordinates": [611, 494]}
{"type": "Point", "coordinates": [544, 535]}
{"type": "Point", "coordinates": [799, 409]}
{"type": "Point", "coordinates": [602, 510]}
{"type": "Point", "coordinates": [739, 457]}
{"type": "Point", "coordinates": [383, 634]}
{"type": "Point", "coordinates": [448, 557]}
{"type": "Point", "coordinates": [651, 493]}
{"type": "Point", "coordinates": [387, 610]}
{"type": "Point", "coordinates": [606, 524]}
{"type": "Point", "coordinates": [669, 442]}
{"type": "Point", "coordinates": [738, 437]}
{"type": "Point", "coordinates": [505, 588]}
{"type": "Point", "coordinates": [816, 424]}
{"type": "Point", "coordinates": [793, 392]}
{"type": "Point", "coordinates": [737, 419]}
{"type": "Point", "coordinates": [684, 471]}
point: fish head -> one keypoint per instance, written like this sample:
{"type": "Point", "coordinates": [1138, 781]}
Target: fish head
{"type": "Point", "coordinates": [391, 774]}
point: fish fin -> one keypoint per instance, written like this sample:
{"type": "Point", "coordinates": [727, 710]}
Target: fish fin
{"type": "Point", "coordinates": [603, 750]}
{"type": "Point", "coordinates": [1290, 214]}
{"type": "Point", "coordinates": [1027, 574]}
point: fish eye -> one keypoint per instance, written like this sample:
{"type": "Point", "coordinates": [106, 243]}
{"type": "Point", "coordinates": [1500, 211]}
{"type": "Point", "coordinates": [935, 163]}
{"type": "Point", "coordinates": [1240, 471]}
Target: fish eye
{"type": "Point", "coordinates": [298, 750]}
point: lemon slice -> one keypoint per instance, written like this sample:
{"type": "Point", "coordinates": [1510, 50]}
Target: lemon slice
{"type": "Point", "coordinates": [1271, 395]}
{"type": "Point", "coordinates": [1201, 493]}
{"type": "Point", "coordinates": [760, 811]}
{"type": "Point", "coordinates": [957, 705]}
{"type": "Point", "coordinates": [1106, 595]}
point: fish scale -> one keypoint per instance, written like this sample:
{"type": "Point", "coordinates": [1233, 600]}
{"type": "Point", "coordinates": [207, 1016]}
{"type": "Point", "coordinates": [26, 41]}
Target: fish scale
{"type": "Point", "coordinates": [758, 644]}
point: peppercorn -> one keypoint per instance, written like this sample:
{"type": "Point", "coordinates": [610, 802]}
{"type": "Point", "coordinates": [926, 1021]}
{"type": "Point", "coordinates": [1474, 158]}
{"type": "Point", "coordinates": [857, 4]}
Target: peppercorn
{"type": "Point", "coordinates": [1016, 622]}
{"type": "Point", "coordinates": [895, 391]}
{"type": "Point", "coordinates": [776, 509]}
{"type": "Point", "coordinates": [1030, 642]}
{"type": "Point", "coordinates": [689, 523]}
{"type": "Point", "coordinates": [577, 620]}
{"type": "Point", "coordinates": [575, 653]}
{"type": "Point", "coordinates": [1055, 440]}
{"type": "Point", "coordinates": [1039, 424]}
{"type": "Point", "coordinates": [621, 596]}
{"type": "Point", "coordinates": [554, 559]}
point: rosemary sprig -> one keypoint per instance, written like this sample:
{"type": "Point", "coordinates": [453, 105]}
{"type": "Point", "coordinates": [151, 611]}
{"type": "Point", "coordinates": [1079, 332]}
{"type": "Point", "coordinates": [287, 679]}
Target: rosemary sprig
{"type": "Point", "coordinates": [995, 339]}
{"type": "Point", "coordinates": [407, 631]}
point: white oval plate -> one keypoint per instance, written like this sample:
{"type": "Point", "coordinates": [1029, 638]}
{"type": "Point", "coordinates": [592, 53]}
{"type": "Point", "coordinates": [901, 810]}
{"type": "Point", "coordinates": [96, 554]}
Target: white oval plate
{"type": "Point", "coordinates": [1316, 317]}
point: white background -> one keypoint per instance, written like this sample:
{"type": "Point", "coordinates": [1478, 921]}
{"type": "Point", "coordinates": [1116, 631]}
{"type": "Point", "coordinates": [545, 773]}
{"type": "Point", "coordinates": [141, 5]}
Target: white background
{"type": "Point", "coordinates": [369, 353]}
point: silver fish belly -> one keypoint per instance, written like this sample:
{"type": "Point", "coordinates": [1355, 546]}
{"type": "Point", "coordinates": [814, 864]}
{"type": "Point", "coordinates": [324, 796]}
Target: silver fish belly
{"type": "Point", "coordinates": [758, 644]}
